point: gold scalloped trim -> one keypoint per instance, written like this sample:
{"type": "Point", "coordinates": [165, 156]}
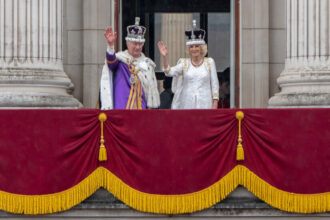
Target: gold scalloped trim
{"type": "Point", "coordinates": [285, 201]}
{"type": "Point", "coordinates": [51, 203]}
{"type": "Point", "coordinates": [165, 204]}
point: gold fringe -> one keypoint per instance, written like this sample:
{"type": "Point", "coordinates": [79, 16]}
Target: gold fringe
{"type": "Point", "coordinates": [50, 203]}
{"type": "Point", "coordinates": [170, 204]}
{"type": "Point", "coordinates": [165, 204]}
{"type": "Point", "coordinates": [285, 201]}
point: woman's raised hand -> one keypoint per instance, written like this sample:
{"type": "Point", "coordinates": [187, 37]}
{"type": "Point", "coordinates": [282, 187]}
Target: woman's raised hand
{"type": "Point", "coordinates": [163, 51]}
{"type": "Point", "coordinates": [162, 48]}
{"type": "Point", "coordinates": [110, 36]}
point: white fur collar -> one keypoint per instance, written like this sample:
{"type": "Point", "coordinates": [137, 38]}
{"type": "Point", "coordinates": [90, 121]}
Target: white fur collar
{"type": "Point", "coordinates": [125, 57]}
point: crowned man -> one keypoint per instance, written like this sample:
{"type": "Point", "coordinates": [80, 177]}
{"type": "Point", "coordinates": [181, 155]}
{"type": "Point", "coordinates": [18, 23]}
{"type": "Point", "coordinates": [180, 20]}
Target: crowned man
{"type": "Point", "coordinates": [128, 78]}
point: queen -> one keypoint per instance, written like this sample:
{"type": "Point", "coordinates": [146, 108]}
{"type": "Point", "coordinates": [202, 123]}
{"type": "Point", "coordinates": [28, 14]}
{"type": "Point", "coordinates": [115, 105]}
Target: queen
{"type": "Point", "coordinates": [195, 83]}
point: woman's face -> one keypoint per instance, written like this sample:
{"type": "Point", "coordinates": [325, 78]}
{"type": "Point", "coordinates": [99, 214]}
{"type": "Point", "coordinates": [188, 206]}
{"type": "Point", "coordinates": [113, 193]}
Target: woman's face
{"type": "Point", "coordinates": [195, 50]}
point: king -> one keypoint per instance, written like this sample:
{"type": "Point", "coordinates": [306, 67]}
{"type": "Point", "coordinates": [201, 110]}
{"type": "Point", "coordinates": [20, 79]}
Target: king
{"type": "Point", "coordinates": [128, 78]}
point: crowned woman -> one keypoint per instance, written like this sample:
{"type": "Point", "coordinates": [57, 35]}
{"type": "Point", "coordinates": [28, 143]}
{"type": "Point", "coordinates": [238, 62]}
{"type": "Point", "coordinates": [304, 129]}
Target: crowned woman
{"type": "Point", "coordinates": [195, 83]}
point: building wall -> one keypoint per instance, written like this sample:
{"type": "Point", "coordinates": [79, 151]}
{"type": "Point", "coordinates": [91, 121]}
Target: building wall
{"type": "Point", "coordinates": [72, 44]}
{"type": "Point", "coordinates": [254, 53]}
{"type": "Point", "coordinates": [277, 42]}
{"type": "Point", "coordinates": [263, 48]}
{"type": "Point", "coordinates": [84, 45]}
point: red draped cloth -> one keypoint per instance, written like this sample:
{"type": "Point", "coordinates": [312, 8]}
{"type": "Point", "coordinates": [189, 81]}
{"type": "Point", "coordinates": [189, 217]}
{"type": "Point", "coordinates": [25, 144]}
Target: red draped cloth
{"type": "Point", "coordinates": [166, 153]}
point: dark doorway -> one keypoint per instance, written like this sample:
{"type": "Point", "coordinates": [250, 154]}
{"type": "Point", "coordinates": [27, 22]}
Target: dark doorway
{"type": "Point", "coordinates": [146, 10]}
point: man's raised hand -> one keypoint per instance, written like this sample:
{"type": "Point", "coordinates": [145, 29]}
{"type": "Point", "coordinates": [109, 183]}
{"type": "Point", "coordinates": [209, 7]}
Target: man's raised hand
{"type": "Point", "coordinates": [110, 36]}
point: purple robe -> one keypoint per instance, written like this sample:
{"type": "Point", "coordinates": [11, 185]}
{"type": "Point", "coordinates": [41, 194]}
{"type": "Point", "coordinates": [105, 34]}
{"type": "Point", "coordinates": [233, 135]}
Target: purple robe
{"type": "Point", "coordinates": [122, 95]}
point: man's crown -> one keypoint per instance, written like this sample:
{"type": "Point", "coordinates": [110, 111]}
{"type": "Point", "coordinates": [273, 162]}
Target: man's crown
{"type": "Point", "coordinates": [136, 32]}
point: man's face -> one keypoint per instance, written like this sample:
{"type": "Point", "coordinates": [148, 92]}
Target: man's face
{"type": "Point", "coordinates": [134, 48]}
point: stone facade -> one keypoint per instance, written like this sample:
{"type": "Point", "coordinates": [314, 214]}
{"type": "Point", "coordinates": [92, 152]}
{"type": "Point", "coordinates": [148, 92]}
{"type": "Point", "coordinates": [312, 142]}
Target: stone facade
{"type": "Point", "coordinates": [263, 47]}
{"type": "Point", "coordinates": [254, 53]}
{"type": "Point", "coordinates": [84, 45]}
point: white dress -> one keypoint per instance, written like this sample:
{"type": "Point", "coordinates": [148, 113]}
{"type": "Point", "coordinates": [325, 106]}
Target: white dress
{"type": "Point", "coordinates": [194, 87]}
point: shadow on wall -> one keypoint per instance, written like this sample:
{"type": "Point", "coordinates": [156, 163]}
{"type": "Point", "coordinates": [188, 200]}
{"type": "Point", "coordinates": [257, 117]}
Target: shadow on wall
{"type": "Point", "coordinates": [224, 92]}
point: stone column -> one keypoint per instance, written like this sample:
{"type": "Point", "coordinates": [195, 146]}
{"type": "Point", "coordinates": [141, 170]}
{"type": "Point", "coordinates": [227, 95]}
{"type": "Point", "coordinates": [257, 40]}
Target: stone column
{"type": "Point", "coordinates": [31, 69]}
{"type": "Point", "coordinates": [305, 81]}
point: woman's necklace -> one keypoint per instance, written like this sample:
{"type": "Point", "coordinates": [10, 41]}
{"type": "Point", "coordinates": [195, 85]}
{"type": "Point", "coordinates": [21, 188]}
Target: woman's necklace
{"type": "Point", "coordinates": [197, 64]}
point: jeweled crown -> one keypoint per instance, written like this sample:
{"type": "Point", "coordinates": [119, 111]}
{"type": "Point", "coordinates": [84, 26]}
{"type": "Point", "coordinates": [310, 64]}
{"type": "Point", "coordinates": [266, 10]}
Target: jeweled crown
{"type": "Point", "coordinates": [195, 35]}
{"type": "Point", "coordinates": [136, 32]}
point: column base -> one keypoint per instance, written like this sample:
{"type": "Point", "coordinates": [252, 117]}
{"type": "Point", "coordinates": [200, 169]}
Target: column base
{"type": "Point", "coordinates": [19, 100]}
{"type": "Point", "coordinates": [36, 88]}
{"type": "Point", "coordinates": [307, 100]}
{"type": "Point", "coordinates": [303, 87]}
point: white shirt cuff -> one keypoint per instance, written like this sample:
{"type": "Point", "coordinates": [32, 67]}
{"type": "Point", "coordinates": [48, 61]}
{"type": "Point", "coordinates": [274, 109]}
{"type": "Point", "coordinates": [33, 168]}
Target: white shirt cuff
{"type": "Point", "coordinates": [167, 70]}
{"type": "Point", "coordinates": [111, 50]}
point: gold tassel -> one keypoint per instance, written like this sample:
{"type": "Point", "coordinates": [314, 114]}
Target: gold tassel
{"type": "Point", "coordinates": [240, 150]}
{"type": "Point", "coordinates": [239, 153]}
{"type": "Point", "coordinates": [102, 154]}
{"type": "Point", "coordinates": [102, 150]}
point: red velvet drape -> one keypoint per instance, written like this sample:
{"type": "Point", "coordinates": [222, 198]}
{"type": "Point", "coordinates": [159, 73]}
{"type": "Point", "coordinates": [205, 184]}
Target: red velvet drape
{"type": "Point", "coordinates": [163, 151]}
